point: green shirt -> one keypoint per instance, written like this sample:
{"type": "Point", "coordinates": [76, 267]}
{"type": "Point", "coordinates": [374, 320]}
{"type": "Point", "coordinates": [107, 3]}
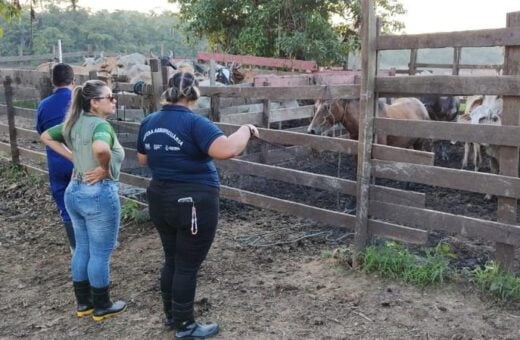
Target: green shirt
{"type": "Point", "coordinates": [86, 130]}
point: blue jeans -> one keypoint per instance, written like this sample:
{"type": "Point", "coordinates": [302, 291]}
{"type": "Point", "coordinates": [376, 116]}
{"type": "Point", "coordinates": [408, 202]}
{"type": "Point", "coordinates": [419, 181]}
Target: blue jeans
{"type": "Point", "coordinates": [95, 212]}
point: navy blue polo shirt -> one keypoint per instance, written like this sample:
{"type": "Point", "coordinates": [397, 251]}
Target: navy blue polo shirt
{"type": "Point", "coordinates": [176, 142]}
{"type": "Point", "coordinates": [51, 112]}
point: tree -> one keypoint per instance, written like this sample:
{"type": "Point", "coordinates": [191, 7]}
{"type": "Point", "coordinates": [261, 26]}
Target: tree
{"type": "Point", "coordinates": [324, 30]}
{"type": "Point", "coordinates": [9, 10]}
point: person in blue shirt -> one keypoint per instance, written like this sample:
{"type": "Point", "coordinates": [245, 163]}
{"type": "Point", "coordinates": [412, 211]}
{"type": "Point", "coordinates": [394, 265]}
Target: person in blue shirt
{"type": "Point", "coordinates": [51, 112]}
{"type": "Point", "coordinates": [183, 196]}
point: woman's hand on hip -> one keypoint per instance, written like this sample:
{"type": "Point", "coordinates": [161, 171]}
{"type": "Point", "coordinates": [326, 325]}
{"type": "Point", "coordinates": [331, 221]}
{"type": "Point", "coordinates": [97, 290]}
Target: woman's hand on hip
{"type": "Point", "coordinates": [96, 175]}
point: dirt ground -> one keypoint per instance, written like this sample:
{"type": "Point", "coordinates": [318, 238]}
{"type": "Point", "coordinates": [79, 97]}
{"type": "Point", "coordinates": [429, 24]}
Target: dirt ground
{"type": "Point", "coordinates": [265, 278]}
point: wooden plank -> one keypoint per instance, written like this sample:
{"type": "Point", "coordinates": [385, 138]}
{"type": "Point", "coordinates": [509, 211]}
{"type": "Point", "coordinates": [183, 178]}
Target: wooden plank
{"type": "Point", "coordinates": [8, 91]}
{"type": "Point", "coordinates": [484, 134]}
{"type": "Point", "coordinates": [304, 65]}
{"type": "Point", "coordinates": [379, 228]}
{"type": "Point", "coordinates": [440, 221]}
{"type": "Point", "coordinates": [449, 178]}
{"type": "Point", "coordinates": [21, 133]}
{"type": "Point", "coordinates": [334, 144]}
{"type": "Point", "coordinates": [255, 118]}
{"type": "Point", "coordinates": [457, 51]}
{"type": "Point", "coordinates": [284, 93]}
{"type": "Point", "coordinates": [274, 80]}
{"type": "Point", "coordinates": [24, 153]}
{"type": "Point", "coordinates": [277, 115]}
{"type": "Point", "coordinates": [369, 32]}
{"type": "Point", "coordinates": [508, 156]}
{"type": "Point", "coordinates": [461, 66]}
{"type": "Point", "coordinates": [23, 93]}
{"type": "Point", "coordinates": [285, 114]}
{"type": "Point", "coordinates": [473, 38]}
{"type": "Point", "coordinates": [130, 101]}
{"type": "Point", "coordinates": [47, 57]}
{"type": "Point", "coordinates": [19, 112]}
{"type": "Point", "coordinates": [30, 78]}
{"type": "Point", "coordinates": [402, 155]}
{"type": "Point", "coordinates": [336, 78]}
{"type": "Point", "coordinates": [277, 156]}
{"type": "Point", "coordinates": [412, 65]}
{"type": "Point", "coordinates": [449, 85]}
{"type": "Point", "coordinates": [324, 182]}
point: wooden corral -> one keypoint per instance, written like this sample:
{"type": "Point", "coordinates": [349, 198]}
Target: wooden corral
{"type": "Point", "coordinates": [383, 211]}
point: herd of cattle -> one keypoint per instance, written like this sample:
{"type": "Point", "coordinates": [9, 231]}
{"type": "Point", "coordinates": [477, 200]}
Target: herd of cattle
{"type": "Point", "coordinates": [478, 109]}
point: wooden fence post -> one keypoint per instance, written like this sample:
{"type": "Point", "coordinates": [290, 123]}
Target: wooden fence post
{"type": "Point", "coordinates": [366, 124]}
{"type": "Point", "coordinates": [412, 65]}
{"type": "Point", "coordinates": [508, 160]}
{"type": "Point", "coordinates": [157, 84]}
{"type": "Point", "coordinates": [456, 61]}
{"type": "Point", "coordinates": [214, 113]}
{"type": "Point", "coordinates": [9, 93]}
{"type": "Point", "coordinates": [266, 113]}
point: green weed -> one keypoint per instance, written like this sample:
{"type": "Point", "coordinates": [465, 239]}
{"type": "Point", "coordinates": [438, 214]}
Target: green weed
{"type": "Point", "coordinates": [504, 286]}
{"type": "Point", "coordinates": [395, 261]}
{"type": "Point", "coordinates": [130, 212]}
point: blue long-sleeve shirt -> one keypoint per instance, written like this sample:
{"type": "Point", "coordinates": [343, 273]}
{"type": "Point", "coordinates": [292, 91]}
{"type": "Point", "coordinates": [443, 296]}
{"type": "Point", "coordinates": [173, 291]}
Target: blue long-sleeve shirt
{"type": "Point", "coordinates": [51, 112]}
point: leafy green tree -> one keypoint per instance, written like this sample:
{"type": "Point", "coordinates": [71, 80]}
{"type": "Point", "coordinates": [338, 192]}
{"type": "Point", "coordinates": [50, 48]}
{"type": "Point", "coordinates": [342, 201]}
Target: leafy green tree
{"type": "Point", "coordinates": [9, 10]}
{"type": "Point", "coordinates": [322, 30]}
{"type": "Point", "coordinates": [119, 32]}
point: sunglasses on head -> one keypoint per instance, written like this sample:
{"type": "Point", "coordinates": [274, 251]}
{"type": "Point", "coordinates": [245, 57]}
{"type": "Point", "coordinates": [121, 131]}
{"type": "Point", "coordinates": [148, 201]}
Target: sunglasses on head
{"type": "Point", "coordinates": [110, 98]}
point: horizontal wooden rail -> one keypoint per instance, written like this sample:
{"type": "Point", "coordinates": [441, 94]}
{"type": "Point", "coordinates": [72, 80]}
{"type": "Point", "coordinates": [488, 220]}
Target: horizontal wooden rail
{"type": "Point", "coordinates": [284, 93]}
{"type": "Point", "coordinates": [48, 56]}
{"type": "Point", "coordinates": [446, 222]}
{"type": "Point", "coordinates": [333, 144]}
{"type": "Point", "coordinates": [375, 227]}
{"type": "Point", "coordinates": [472, 181]}
{"type": "Point", "coordinates": [19, 112]}
{"type": "Point", "coordinates": [475, 38]}
{"type": "Point", "coordinates": [324, 182]}
{"type": "Point", "coordinates": [490, 134]}
{"type": "Point", "coordinates": [460, 66]}
{"type": "Point", "coordinates": [449, 85]}
{"type": "Point", "coordinates": [304, 65]}
{"type": "Point", "coordinates": [30, 135]}
{"type": "Point", "coordinates": [276, 115]}
{"type": "Point", "coordinates": [30, 78]}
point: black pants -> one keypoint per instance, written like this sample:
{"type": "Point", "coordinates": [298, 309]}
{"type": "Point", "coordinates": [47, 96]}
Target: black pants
{"type": "Point", "coordinates": [183, 251]}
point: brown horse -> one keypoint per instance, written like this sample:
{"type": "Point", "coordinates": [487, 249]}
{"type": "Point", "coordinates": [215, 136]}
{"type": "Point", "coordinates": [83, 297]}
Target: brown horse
{"type": "Point", "coordinates": [346, 111]}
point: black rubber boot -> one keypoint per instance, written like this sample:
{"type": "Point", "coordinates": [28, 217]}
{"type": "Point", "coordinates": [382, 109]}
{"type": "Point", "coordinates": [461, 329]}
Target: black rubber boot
{"type": "Point", "coordinates": [167, 307]}
{"type": "Point", "coordinates": [103, 307]}
{"type": "Point", "coordinates": [193, 330]}
{"type": "Point", "coordinates": [83, 298]}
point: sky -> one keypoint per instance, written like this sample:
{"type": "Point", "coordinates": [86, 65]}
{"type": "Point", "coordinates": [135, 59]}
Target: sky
{"type": "Point", "coordinates": [423, 15]}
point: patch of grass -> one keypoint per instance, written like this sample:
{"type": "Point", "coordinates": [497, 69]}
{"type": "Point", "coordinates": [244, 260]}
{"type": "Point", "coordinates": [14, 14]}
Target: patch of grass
{"type": "Point", "coordinates": [15, 173]}
{"type": "Point", "coordinates": [130, 212]}
{"type": "Point", "coordinates": [26, 103]}
{"type": "Point", "coordinates": [504, 286]}
{"type": "Point", "coordinates": [395, 261]}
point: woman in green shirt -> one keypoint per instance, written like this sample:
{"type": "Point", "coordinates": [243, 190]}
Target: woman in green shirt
{"type": "Point", "coordinates": [91, 198]}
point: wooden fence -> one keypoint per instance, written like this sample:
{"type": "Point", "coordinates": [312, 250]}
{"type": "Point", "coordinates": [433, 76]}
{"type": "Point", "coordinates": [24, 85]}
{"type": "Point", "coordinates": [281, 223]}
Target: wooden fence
{"type": "Point", "coordinates": [382, 211]}
{"type": "Point", "coordinates": [505, 185]}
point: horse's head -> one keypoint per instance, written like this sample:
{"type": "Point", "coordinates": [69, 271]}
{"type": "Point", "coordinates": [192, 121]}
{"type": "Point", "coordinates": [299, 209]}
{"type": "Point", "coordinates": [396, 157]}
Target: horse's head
{"type": "Point", "coordinates": [326, 115]}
